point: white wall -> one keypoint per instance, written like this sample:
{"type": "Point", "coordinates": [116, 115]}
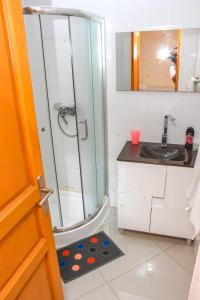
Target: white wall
{"type": "Point", "coordinates": [144, 110]}
{"type": "Point", "coordinates": [189, 59]}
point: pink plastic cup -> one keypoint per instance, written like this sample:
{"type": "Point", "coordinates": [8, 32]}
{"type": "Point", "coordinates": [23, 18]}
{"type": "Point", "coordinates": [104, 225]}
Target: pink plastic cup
{"type": "Point", "coordinates": [135, 137]}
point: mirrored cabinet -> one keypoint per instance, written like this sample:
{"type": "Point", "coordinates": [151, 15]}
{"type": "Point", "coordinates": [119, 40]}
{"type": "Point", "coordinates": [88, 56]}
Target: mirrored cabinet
{"type": "Point", "coordinates": [158, 60]}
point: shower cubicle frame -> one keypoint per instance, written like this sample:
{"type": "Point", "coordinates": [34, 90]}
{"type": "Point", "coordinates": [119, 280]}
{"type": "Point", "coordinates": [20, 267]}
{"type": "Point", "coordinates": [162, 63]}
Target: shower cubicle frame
{"type": "Point", "coordinates": [48, 10]}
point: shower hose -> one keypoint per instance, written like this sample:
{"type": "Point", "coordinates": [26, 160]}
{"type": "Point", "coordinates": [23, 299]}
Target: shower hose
{"type": "Point", "coordinates": [62, 115]}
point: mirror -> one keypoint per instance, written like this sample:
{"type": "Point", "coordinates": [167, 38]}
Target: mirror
{"type": "Point", "coordinates": [159, 60]}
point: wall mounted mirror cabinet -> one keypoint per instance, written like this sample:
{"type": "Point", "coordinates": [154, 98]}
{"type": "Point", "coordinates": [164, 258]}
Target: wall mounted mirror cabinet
{"type": "Point", "coordinates": [159, 60]}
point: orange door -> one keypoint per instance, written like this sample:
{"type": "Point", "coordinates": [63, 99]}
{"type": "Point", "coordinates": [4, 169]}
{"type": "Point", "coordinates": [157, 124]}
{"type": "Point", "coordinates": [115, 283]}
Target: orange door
{"type": "Point", "coordinates": [28, 263]}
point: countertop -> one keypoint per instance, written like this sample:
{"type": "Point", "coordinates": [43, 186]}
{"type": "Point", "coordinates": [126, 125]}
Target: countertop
{"type": "Point", "coordinates": [130, 153]}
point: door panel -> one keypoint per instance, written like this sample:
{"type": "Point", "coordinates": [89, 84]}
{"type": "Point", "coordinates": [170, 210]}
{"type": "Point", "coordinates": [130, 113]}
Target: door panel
{"type": "Point", "coordinates": [134, 212]}
{"type": "Point", "coordinates": [27, 249]}
{"type": "Point", "coordinates": [176, 190]}
{"type": "Point", "coordinates": [17, 236]}
{"type": "Point", "coordinates": [172, 222]}
{"type": "Point", "coordinates": [134, 178]}
{"type": "Point", "coordinates": [10, 135]}
{"type": "Point", "coordinates": [39, 278]}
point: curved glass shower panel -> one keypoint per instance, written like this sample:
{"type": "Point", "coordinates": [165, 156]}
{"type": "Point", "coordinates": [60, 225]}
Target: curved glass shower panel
{"type": "Point", "coordinates": [86, 39]}
{"type": "Point", "coordinates": [83, 85]}
{"type": "Point", "coordinates": [57, 58]}
{"type": "Point", "coordinates": [97, 64]}
{"type": "Point", "coordinates": [38, 76]}
{"type": "Point", "coordinates": [66, 59]}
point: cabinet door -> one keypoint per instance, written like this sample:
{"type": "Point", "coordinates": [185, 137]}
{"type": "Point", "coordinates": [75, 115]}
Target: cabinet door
{"type": "Point", "coordinates": [141, 179]}
{"type": "Point", "coordinates": [134, 212]}
{"type": "Point", "coordinates": [177, 185]}
{"type": "Point", "coordinates": [172, 222]}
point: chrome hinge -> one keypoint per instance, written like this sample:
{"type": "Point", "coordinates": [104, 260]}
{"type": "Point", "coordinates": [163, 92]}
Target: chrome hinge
{"type": "Point", "coordinates": [45, 193]}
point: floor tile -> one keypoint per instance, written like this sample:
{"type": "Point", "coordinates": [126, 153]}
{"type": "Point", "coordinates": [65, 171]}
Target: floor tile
{"type": "Point", "coordinates": [161, 241]}
{"type": "Point", "coordinates": [136, 251]}
{"type": "Point", "coordinates": [153, 268]}
{"type": "Point", "coordinates": [160, 278]}
{"type": "Point", "coordinates": [137, 234]}
{"type": "Point", "coordinates": [102, 293]}
{"type": "Point", "coordinates": [184, 255]}
{"type": "Point", "coordinates": [82, 285]}
{"type": "Point", "coordinates": [112, 231]}
{"type": "Point", "coordinates": [164, 242]}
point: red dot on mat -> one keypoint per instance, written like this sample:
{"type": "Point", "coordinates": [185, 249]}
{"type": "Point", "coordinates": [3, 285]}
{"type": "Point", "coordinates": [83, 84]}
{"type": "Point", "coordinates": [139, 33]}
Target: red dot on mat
{"type": "Point", "coordinates": [66, 253]}
{"type": "Point", "coordinates": [94, 240]}
{"type": "Point", "coordinates": [91, 260]}
{"type": "Point", "coordinates": [75, 268]}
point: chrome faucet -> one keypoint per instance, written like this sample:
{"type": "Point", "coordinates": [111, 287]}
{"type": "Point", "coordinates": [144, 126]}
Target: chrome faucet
{"type": "Point", "coordinates": [164, 135]}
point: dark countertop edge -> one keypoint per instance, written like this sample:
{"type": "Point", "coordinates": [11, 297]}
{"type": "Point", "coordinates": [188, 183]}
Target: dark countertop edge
{"type": "Point", "coordinates": [136, 159]}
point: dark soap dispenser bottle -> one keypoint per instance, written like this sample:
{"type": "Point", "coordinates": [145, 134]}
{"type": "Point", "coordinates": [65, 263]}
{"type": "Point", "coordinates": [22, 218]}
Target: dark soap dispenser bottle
{"type": "Point", "coordinates": [189, 145]}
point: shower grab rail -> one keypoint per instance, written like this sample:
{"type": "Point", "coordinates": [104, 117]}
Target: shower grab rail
{"type": "Point", "coordinates": [86, 129]}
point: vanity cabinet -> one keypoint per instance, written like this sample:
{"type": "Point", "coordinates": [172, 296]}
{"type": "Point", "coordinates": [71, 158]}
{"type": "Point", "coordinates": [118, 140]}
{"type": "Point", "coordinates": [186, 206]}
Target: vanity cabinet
{"type": "Point", "coordinates": [151, 198]}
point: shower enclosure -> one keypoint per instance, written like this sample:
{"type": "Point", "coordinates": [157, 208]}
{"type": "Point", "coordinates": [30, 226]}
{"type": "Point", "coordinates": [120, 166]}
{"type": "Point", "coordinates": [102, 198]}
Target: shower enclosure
{"type": "Point", "coordinates": [66, 54]}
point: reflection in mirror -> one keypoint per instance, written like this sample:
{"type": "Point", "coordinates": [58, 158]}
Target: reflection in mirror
{"type": "Point", "coordinates": [161, 60]}
{"type": "Point", "coordinates": [159, 55]}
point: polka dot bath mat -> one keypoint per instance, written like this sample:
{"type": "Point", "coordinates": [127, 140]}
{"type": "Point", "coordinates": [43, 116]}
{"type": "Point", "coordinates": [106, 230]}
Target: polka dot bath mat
{"type": "Point", "coordinates": [86, 255]}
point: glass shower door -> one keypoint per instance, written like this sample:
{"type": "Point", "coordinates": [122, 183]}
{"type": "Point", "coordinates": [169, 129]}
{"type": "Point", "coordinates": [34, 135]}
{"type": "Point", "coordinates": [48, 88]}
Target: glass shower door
{"type": "Point", "coordinates": [59, 85]}
{"type": "Point", "coordinates": [69, 96]}
{"type": "Point", "coordinates": [80, 31]}
{"type": "Point", "coordinates": [97, 63]}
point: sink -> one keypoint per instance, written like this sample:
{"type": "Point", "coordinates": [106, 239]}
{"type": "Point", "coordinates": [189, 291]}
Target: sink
{"type": "Point", "coordinates": [156, 152]}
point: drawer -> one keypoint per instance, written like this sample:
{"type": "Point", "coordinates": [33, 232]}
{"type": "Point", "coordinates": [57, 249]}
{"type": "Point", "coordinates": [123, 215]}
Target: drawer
{"type": "Point", "coordinates": [171, 222]}
{"type": "Point", "coordinates": [134, 212]}
{"type": "Point", "coordinates": [146, 179]}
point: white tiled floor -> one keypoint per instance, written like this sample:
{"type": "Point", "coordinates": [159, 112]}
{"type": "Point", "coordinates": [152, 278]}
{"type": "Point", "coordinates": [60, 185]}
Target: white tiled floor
{"type": "Point", "coordinates": [153, 268]}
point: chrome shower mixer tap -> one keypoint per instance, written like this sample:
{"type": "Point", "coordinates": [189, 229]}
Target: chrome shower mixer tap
{"type": "Point", "coordinates": [164, 135]}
